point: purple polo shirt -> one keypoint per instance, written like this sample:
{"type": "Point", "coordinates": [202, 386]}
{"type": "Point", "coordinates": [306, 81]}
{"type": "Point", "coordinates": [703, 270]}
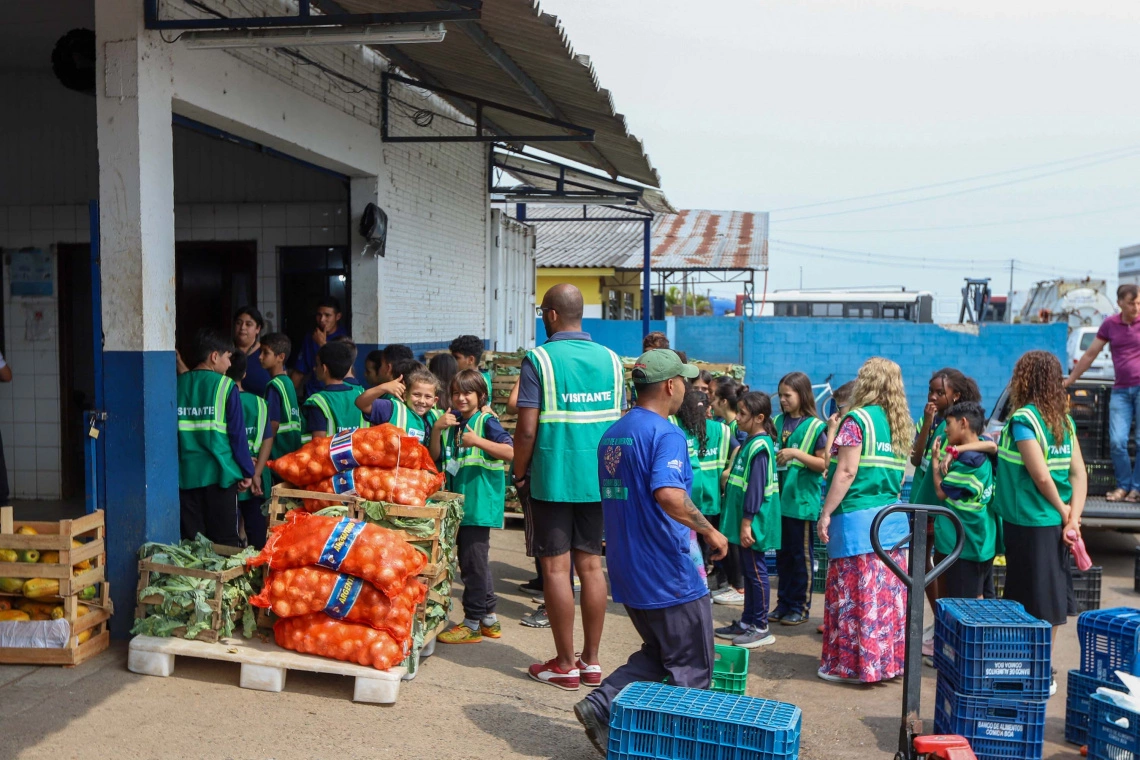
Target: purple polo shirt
{"type": "Point", "coordinates": [1125, 342]}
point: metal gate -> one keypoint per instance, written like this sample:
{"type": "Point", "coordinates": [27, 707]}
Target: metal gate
{"type": "Point", "coordinates": [511, 283]}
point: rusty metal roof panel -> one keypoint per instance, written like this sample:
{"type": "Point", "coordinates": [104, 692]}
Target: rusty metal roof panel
{"type": "Point", "coordinates": [535, 43]}
{"type": "Point", "coordinates": [690, 239]}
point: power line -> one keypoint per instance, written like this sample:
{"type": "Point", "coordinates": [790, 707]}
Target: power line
{"type": "Point", "coordinates": [1029, 220]}
{"type": "Point", "coordinates": [967, 190]}
{"type": "Point", "coordinates": [931, 186]}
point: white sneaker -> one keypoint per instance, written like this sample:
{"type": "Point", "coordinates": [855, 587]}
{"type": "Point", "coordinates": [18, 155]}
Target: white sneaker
{"type": "Point", "coordinates": [928, 633]}
{"type": "Point", "coordinates": [836, 679]}
{"type": "Point", "coordinates": [731, 597]}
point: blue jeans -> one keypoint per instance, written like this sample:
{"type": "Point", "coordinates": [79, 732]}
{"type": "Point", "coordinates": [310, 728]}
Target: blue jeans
{"type": "Point", "coordinates": [1123, 410]}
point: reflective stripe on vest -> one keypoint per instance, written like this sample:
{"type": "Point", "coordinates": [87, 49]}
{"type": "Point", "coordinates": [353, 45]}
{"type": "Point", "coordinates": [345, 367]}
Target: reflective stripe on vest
{"type": "Point", "coordinates": [552, 413]}
{"type": "Point", "coordinates": [218, 423]}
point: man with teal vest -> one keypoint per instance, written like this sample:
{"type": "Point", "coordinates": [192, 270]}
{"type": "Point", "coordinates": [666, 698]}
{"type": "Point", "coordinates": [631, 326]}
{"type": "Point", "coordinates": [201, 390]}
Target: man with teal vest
{"type": "Point", "coordinates": [570, 391]}
{"type": "Point", "coordinates": [332, 409]}
{"type": "Point", "coordinates": [213, 454]}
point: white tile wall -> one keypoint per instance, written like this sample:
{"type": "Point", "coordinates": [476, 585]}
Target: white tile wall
{"type": "Point", "coordinates": [30, 405]}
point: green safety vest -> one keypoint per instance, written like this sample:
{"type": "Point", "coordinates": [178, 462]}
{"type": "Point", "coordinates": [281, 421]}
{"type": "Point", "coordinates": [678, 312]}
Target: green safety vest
{"type": "Point", "coordinates": [922, 487]}
{"type": "Point", "coordinates": [487, 379]}
{"type": "Point", "coordinates": [205, 457]}
{"type": "Point", "coordinates": [799, 486]}
{"type": "Point", "coordinates": [256, 413]}
{"type": "Point", "coordinates": [707, 464]}
{"type": "Point", "coordinates": [411, 423]}
{"type": "Point", "coordinates": [978, 523]}
{"type": "Point", "coordinates": [289, 432]}
{"type": "Point", "coordinates": [581, 397]}
{"type": "Point", "coordinates": [479, 477]}
{"type": "Point", "coordinates": [766, 526]}
{"type": "Point", "coordinates": [339, 408]}
{"type": "Point", "coordinates": [1016, 498]}
{"type": "Point", "coordinates": [878, 481]}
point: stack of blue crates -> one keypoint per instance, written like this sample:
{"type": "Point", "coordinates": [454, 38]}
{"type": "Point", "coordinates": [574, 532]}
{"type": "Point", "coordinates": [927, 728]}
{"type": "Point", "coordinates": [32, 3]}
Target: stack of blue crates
{"type": "Point", "coordinates": [1110, 641]}
{"type": "Point", "coordinates": [992, 659]}
{"type": "Point", "coordinates": [652, 720]}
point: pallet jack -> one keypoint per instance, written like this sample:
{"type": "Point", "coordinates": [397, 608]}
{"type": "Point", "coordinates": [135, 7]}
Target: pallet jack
{"type": "Point", "coordinates": [913, 744]}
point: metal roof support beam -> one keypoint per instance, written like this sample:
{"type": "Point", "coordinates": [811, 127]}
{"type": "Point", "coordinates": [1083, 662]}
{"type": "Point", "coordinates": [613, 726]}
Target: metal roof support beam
{"type": "Point", "coordinates": [523, 80]}
{"type": "Point", "coordinates": [458, 10]}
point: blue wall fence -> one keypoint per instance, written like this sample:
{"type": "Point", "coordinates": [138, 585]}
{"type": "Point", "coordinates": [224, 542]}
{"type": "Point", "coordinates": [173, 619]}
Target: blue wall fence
{"type": "Point", "coordinates": [770, 347]}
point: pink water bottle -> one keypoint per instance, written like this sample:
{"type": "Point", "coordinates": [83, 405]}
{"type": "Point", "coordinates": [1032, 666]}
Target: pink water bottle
{"type": "Point", "coordinates": [1080, 554]}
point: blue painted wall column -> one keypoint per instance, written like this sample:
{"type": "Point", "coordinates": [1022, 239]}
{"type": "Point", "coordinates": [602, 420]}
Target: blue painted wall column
{"type": "Point", "coordinates": [136, 240]}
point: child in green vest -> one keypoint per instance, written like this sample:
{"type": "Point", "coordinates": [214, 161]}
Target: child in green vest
{"type": "Point", "coordinates": [405, 402]}
{"type": "Point", "coordinates": [213, 454]}
{"type": "Point", "coordinates": [259, 435]}
{"type": "Point", "coordinates": [751, 518]}
{"type": "Point", "coordinates": [280, 396]}
{"type": "Point", "coordinates": [708, 444]}
{"type": "Point", "coordinates": [800, 462]}
{"type": "Point", "coordinates": [474, 450]}
{"type": "Point", "coordinates": [967, 487]}
{"type": "Point", "coordinates": [333, 408]}
{"type": "Point", "coordinates": [468, 351]}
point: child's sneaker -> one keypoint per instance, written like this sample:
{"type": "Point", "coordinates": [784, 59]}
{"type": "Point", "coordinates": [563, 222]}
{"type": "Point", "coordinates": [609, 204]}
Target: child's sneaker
{"type": "Point", "coordinates": [590, 675]}
{"type": "Point", "coordinates": [754, 637]}
{"type": "Point", "coordinates": [492, 631]}
{"type": "Point", "coordinates": [460, 634]}
{"type": "Point", "coordinates": [730, 631]}
{"type": "Point", "coordinates": [549, 672]}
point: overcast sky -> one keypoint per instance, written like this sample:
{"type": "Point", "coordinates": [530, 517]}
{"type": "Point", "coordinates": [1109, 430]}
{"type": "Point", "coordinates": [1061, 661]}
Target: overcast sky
{"type": "Point", "coordinates": [760, 106]}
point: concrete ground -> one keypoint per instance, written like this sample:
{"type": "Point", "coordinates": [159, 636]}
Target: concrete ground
{"type": "Point", "coordinates": [468, 701]}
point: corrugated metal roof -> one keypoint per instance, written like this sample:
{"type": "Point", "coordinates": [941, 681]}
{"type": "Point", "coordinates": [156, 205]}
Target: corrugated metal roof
{"type": "Point", "coordinates": [691, 239]}
{"type": "Point", "coordinates": [538, 45]}
{"type": "Point", "coordinates": [532, 172]}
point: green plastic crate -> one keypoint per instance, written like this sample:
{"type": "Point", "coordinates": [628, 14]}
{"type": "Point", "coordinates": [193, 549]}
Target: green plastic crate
{"type": "Point", "coordinates": [819, 574]}
{"type": "Point", "coordinates": [730, 670]}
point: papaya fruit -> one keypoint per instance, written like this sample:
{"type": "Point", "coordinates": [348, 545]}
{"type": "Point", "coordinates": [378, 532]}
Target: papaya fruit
{"type": "Point", "coordinates": [83, 636]}
{"type": "Point", "coordinates": [35, 608]}
{"type": "Point", "coordinates": [8, 555]}
{"type": "Point", "coordinates": [28, 555]}
{"type": "Point", "coordinates": [85, 564]}
{"type": "Point", "coordinates": [11, 585]}
{"type": "Point", "coordinates": [40, 587]}
{"type": "Point", "coordinates": [27, 530]}
{"type": "Point", "coordinates": [86, 594]}
{"type": "Point", "coordinates": [49, 558]}
{"type": "Point", "coordinates": [40, 616]}
{"type": "Point", "coordinates": [14, 615]}
{"type": "Point", "coordinates": [57, 612]}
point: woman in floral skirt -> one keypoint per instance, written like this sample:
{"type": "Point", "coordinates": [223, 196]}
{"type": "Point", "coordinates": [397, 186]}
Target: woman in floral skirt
{"type": "Point", "coordinates": [865, 603]}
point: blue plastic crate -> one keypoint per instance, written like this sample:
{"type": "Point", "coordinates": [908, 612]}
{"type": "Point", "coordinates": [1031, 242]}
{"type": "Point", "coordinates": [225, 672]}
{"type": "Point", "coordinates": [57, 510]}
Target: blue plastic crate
{"type": "Point", "coordinates": [1110, 641]}
{"type": "Point", "coordinates": [652, 720]}
{"type": "Point", "coordinates": [992, 647]}
{"type": "Point", "coordinates": [1114, 732]}
{"type": "Point", "coordinates": [996, 728]}
{"type": "Point", "coordinates": [1081, 687]}
{"type": "Point", "coordinates": [904, 496]}
{"type": "Point", "coordinates": [770, 561]}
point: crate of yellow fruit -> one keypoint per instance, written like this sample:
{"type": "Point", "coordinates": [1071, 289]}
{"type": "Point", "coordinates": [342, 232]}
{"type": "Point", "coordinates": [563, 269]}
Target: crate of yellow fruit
{"type": "Point", "coordinates": [54, 598]}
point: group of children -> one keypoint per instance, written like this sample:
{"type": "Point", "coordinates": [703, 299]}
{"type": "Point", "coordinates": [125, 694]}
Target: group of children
{"type": "Point", "coordinates": [227, 435]}
{"type": "Point", "coordinates": [760, 477]}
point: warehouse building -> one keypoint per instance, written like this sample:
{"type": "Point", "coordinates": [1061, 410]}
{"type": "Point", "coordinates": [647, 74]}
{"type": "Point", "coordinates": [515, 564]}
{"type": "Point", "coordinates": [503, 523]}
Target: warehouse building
{"type": "Point", "coordinates": [161, 169]}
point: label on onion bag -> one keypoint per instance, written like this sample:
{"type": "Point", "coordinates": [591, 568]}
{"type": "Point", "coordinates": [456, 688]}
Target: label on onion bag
{"type": "Point", "coordinates": [340, 451]}
{"type": "Point", "coordinates": [343, 596]}
{"type": "Point", "coordinates": [340, 543]}
{"type": "Point", "coordinates": [344, 483]}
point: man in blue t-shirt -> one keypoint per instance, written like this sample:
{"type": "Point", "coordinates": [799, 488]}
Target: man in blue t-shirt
{"type": "Point", "coordinates": [655, 565]}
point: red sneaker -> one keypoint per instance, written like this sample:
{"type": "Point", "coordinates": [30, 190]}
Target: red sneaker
{"type": "Point", "coordinates": [549, 672]}
{"type": "Point", "coordinates": [591, 675]}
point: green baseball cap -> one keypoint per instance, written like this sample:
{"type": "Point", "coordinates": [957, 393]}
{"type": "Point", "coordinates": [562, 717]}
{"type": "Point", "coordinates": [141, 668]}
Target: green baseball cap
{"type": "Point", "coordinates": [659, 365]}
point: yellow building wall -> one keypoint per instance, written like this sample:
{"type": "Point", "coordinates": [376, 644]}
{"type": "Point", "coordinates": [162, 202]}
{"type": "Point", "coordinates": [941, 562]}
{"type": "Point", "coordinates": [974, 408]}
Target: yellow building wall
{"type": "Point", "coordinates": [589, 281]}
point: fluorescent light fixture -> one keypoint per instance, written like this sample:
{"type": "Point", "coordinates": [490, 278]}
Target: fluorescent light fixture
{"type": "Point", "coordinates": [375, 34]}
{"type": "Point", "coordinates": [584, 200]}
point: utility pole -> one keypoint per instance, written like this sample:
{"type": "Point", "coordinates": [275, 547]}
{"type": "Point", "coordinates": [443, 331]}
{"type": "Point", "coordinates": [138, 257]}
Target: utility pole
{"type": "Point", "coordinates": [801, 278]}
{"type": "Point", "coordinates": [1010, 294]}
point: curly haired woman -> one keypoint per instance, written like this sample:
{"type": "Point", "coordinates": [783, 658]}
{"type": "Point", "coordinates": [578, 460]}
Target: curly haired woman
{"type": "Point", "coordinates": [1040, 491]}
{"type": "Point", "coordinates": [864, 614]}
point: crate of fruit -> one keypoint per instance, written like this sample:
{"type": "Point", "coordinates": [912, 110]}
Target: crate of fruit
{"type": "Point", "coordinates": [194, 590]}
{"type": "Point", "coordinates": [983, 646]}
{"type": "Point", "coordinates": [54, 600]}
{"type": "Point", "coordinates": [62, 558]}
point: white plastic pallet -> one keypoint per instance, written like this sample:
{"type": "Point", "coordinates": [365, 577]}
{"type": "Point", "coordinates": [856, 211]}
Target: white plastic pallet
{"type": "Point", "coordinates": [263, 664]}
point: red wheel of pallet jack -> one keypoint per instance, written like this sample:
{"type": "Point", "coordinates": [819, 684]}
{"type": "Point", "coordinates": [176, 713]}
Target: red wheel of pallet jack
{"type": "Point", "coordinates": [945, 746]}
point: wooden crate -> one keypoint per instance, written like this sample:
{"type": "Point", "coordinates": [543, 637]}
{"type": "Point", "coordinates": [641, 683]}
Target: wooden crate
{"type": "Point", "coordinates": [147, 568]}
{"type": "Point", "coordinates": [95, 622]}
{"type": "Point", "coordinates": [58, 537]}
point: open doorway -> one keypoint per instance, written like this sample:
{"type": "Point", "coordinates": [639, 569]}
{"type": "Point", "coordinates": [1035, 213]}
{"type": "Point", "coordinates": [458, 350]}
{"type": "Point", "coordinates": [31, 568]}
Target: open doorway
{"type": "Point", "coordinates": [212, 281]}
{"type": "Point", "coordinates": [308, 274]}
{"type": "Point", "coordinates": [76, 362]}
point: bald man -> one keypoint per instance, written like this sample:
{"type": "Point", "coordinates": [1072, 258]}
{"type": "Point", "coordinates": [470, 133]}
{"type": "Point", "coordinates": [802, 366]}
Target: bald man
{"type": "Point", "coordinates": [570, 391]}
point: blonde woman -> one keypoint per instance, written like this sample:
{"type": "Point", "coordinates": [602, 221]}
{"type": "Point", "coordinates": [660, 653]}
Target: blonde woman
{"type": "Point", "coordinates": [865, 604]}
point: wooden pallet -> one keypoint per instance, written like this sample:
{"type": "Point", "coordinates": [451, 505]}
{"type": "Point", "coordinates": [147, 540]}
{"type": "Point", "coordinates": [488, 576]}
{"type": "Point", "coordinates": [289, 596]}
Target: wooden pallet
{"type": "Point", "coordinates": [263, 664]}
{"type": "Point", "coordinates": [147, 568]}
